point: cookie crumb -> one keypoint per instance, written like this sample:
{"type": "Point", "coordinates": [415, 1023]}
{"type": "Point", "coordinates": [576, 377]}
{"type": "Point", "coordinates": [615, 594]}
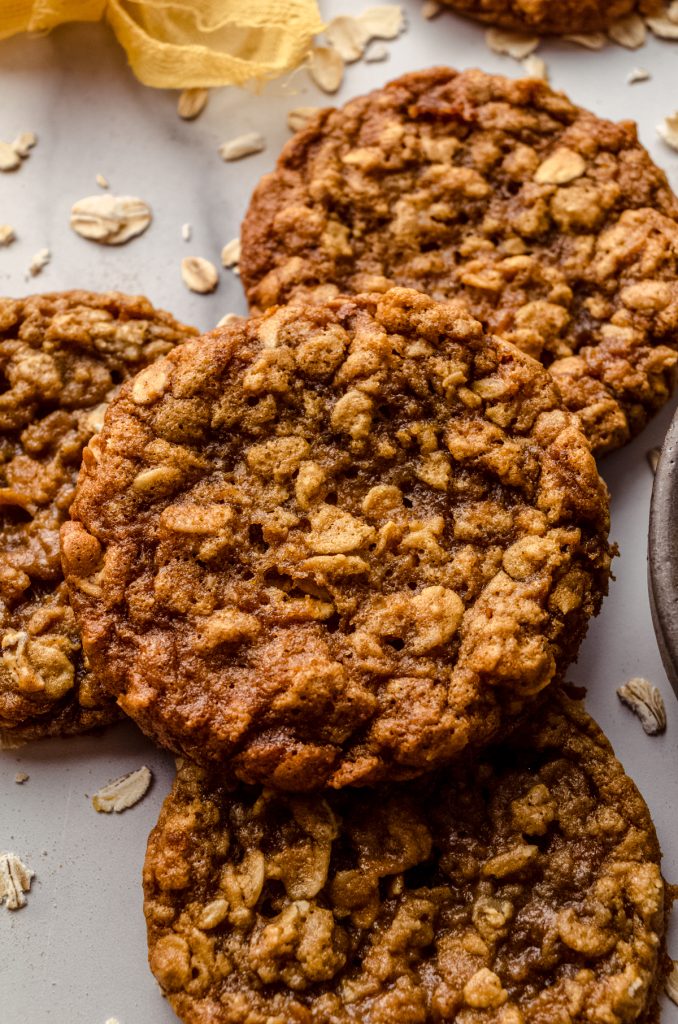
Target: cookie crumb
{"type": "Point", "coordinates": [199, 275]}
{"type": "Point", "coordinates": [123, 792]}
{"type": "Point", "coordinates": [15, 880]}
{"type": "Point", "coordinates": [243, 145]}
{"type": "Point", "coordinates": [101, 181]}
{"type": "Point", "coordinates": [646, 702]}
{"type": "Point", "coordinates": [186, 232]}
{"type": "Point", "coordinates": [7, 235]}
{"type": "Point", "coordinates": [21, 777]}
{"type": "Point", "coordinates": [638, 75]}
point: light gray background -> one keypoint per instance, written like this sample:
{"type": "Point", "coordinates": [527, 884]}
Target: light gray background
{"type": "Point", "coordinates": [77, 953]}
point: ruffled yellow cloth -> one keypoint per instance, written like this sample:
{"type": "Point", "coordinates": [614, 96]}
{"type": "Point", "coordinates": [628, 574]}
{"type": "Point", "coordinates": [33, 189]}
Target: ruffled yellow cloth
{"type": "Point", "coordinates": [181, 43]}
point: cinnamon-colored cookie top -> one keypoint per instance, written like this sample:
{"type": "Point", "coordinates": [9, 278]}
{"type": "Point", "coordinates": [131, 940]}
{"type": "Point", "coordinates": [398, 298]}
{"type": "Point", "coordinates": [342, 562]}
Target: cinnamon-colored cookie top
{"type": "Point", "coordinates": [554, 226]}
{"type": "Point", "coordinates": [336, 544]}
{"type": "Point", "coordinates": [521, 888]}
{"type": "Point", "coordinates": [62, 358]}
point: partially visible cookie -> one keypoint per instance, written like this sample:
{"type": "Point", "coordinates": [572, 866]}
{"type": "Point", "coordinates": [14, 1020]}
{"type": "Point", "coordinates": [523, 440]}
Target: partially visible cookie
{"type": "Point", "coordinates": [553, 225]}
{"type": "Point", "coordinates": [62, 358]}
{"type": "Point", "coordinates": [560, 17]}
{"type": "Point", "coordinates": [520, 889]}
{"type": "Point", "coordinates": [336, 544]}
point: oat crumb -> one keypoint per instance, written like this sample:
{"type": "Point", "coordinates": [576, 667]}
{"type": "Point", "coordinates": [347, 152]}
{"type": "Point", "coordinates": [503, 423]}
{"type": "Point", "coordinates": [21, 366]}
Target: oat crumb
{"type": "Point", "coordinates": [39, 262]}
{"type": "Point", "coordinates": [21, 777]}
{"type": "Point", "coordinates": [101, 181]}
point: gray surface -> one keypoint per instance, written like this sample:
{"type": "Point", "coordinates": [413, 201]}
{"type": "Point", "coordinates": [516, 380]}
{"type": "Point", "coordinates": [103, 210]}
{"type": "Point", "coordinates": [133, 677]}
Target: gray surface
{"type": "Point", "coordinates": [76, 954]}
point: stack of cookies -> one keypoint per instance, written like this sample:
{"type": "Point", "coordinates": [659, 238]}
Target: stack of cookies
{"type": "Point", "coordinates": [339, 556]}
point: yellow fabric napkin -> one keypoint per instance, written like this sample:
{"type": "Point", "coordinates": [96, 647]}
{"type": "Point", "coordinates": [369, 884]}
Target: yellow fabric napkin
{"type": "Point", "coordinates": [178, 44]}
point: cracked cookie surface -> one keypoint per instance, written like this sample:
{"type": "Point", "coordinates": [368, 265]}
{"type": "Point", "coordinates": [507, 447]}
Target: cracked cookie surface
{"type": "Point", "coordinates": [62, 356]}
{"type": "Point", "coordinates": [560, 17]}
{"type": "Point", "coordinates": [336, 544]}
{"type": "Point", "coordinates": [522, 888]}
{"type": "Point", "coordinates": [553, 225]}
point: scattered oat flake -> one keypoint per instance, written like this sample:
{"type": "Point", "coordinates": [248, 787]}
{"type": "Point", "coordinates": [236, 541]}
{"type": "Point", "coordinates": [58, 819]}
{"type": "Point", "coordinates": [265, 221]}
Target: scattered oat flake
{"type": "Point", "coordinates": [326, 68]}
{"type": "Point", "coordinates": [664, 27]}
{"type": "Point", "coordinates": [384, 22]}
{"type": "Point", "coordinates": [191, 103]}
{"type": "Point", "coordinates": [375, 53]}
{"type": "Point", "coordinates": [21, 777]}
{"type": "Point", "coordinates": [123, 792]}
{"type": "Point", "coordinates": [7, 235]}
{"type": "Point", "coordinates": [535, 67]}
{"type": "Point", "coordinates": [9, 158]}
{"type": "Point", "coordinates": [516, 44]}
{"type": "Point", "coordinates": [109, 219]}
{"type": "Point", "coordinates": [668, 130]}
{"type": "Point", "coordinates": [629, 31]}
{"type": "Point", "coordinates": [589, 40]}
{"type": "Point", "coordinates": [431, 9]}
{"type": "Point", "coordinates": [39, 262]}
{"type": "Point", "coordinates": [101, 181]}
{"type": "Point", "coordinates": [243, 145]}
{"type": "Point", "coordinates": [672, 983]}
{"type": "Point", "coordinates": [653, 458]}
{"type": "Point", "coordinates": [646, 702]}
{"type": "Point", "coordinates": [199, 275]}
{"type": "Point", "coordinates": [300, 117]}
{"type": "Point", "coordinates": [230, 254]}
{"type": "Point", "coordinates": [348, 36]}
{"type": "Point", "coordinates": [24, 143]}
{"type": "Point", "coordinates": [638, 75]}
{"type": "Point", "coordinates": [229, 318]}
{"type": "Point", "coordinates": [186, 232]}
{"type": "Point", "coordinates": [15, 880]}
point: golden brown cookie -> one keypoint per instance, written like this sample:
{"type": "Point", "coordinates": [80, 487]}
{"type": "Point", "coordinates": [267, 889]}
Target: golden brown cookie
{"type": "Point", "coordinates": [336, 544]}
{"type": "Point", "coordinates": [560, 17]}
{"type": "Point", "coordinates": [553, 225]}
{"type": "Point", "coordinates": [62, 357]}
{"type": "Point", "coordinates": [521, 889]}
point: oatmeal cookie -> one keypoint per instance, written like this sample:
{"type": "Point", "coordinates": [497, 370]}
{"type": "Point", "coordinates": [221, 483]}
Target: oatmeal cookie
{"type": "Point", "coordinates": [560, 17]}
{"type": "Point", "coordinates": [62, 357]}
{"type": "Point", "coordinates": [554, 226]}
{"type": "Point", "coordinates": [520, 889]}
{"type": "Point", "coordinates": [337, 543]}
